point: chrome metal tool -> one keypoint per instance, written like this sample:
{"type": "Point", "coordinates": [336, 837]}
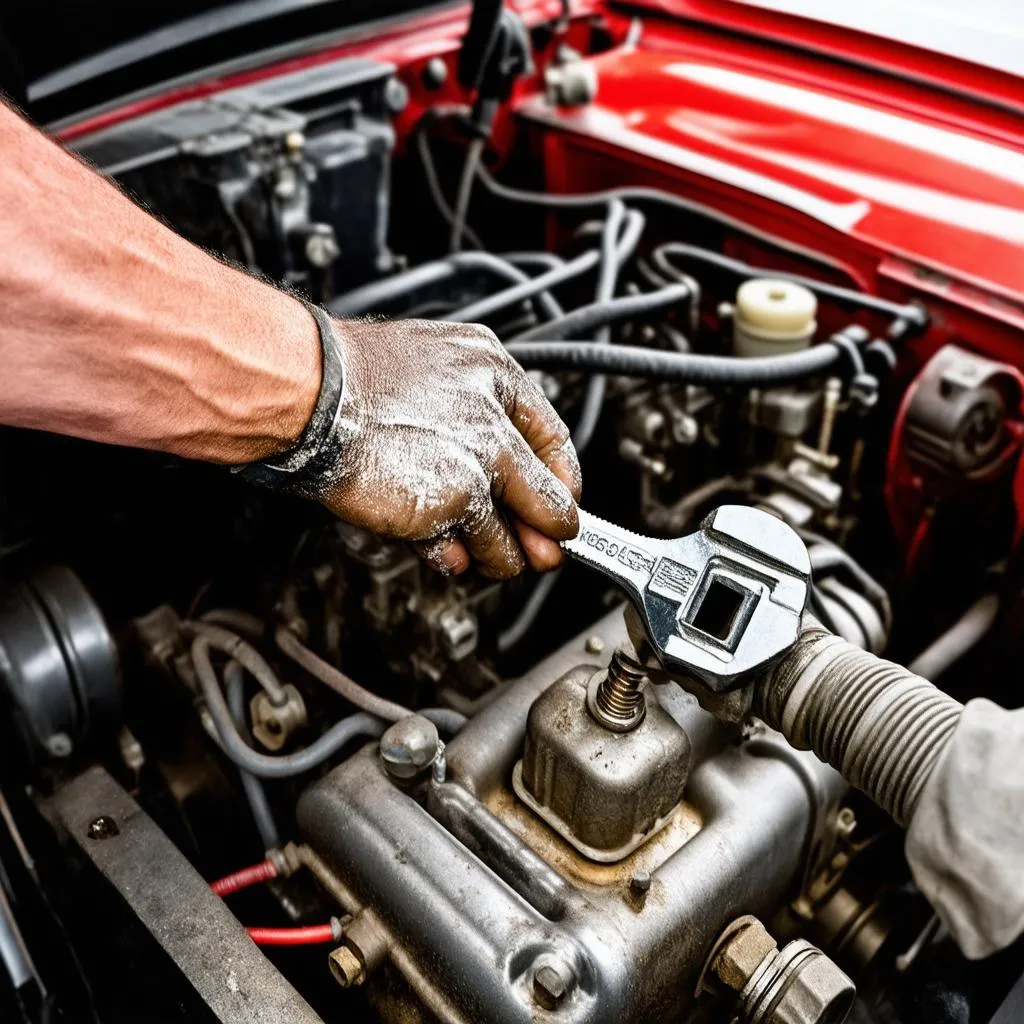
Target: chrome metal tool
{"type": "Point", "coordinates": [718, 604]}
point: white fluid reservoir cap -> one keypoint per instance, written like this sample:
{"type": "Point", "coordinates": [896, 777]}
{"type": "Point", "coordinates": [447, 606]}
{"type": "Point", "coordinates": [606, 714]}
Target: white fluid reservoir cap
{"type": "Point", "coordinates": [772, 317]}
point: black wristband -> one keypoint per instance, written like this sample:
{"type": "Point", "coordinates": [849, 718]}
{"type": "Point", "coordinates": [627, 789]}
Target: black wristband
{"type": "Point", "coordinates": [298, 468]}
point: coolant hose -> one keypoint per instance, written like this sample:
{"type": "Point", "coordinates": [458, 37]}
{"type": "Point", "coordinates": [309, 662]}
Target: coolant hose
{"type": "Point", "coordinates": [655, 364]}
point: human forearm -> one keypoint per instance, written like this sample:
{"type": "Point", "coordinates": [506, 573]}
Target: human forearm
{"type": "Point", "coordinates": [114, 328]}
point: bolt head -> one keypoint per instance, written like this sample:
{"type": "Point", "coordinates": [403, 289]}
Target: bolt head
{"type": "Point", "coordinates": [346, 967]}
{"type": "Point", "coordinates": [594, 644]}
{"type": "Point", "coordinates": [551, 984]}
{"type": "Point", "coordinates": [742, 954]}
{"type": "Point", "coordinates": [640, 883]}
{"type": "Point", "coordinates": [103, 827]}
{"type": "Point", "coordinates": [435, 73]}
{"type": "Point", "coordinates": [409, 746]}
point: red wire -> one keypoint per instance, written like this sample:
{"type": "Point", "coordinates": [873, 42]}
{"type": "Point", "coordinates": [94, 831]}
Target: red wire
{"type": "Point", "coordinates": [292, 936]}
{"type": "Point", "coordinates": [244, 878]}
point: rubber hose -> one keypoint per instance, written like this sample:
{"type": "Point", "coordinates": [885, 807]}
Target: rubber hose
{"type": "Point", "coordinates": [629, 361]}
{"type": "Point", "coordinates": [371, 297]}
{"type": "Point", "coordinates": [587, 318]}
{"type": "Point", "coordinates": [844, 296]}
{"type": "Point", "coordinates": [243, 652]}
{"type": "Point", "coordinates": [263, 765]}
{"type": "Point", "coordinates": [879, 725]}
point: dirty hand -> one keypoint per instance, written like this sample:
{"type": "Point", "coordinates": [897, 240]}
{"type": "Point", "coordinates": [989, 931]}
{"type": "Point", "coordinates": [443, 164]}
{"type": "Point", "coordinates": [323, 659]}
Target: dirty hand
{"type": "Point", "coordinates": [449, 444]}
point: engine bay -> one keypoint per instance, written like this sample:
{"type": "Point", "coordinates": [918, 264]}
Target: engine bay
{"type": "Point", "coordinates": [198, 676]}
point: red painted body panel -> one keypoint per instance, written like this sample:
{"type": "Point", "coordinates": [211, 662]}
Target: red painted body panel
{"type": "Point", "coordinates": [943, 199]}
{"type": "Point", "coordinates": [912, 183]}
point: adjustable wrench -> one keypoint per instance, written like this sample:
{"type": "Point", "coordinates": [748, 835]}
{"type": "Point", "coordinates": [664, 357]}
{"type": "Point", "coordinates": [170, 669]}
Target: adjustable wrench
{"type": "Point", "coordinates": [717, 604]}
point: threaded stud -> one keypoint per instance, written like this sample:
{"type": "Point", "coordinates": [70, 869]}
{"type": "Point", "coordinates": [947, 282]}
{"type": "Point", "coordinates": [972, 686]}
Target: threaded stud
{"type": "Point", "coordinates": [615, 698]}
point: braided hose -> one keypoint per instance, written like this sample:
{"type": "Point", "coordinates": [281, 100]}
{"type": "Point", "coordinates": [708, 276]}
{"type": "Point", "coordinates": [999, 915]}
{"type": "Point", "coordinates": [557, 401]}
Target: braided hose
{"type": "Point", "coordinates": [879, 725]}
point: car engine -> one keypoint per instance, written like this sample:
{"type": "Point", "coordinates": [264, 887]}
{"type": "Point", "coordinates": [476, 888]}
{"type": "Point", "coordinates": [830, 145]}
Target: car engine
{"type": "Point", "coordinates": [467, 800]}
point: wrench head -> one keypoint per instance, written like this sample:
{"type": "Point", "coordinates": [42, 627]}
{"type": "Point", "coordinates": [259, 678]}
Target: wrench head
{"type": "Point", "coordinates": [725, 602]}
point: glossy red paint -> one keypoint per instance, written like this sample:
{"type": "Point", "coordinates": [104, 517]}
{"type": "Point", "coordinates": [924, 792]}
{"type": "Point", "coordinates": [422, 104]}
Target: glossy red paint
{"type": "Point", "coordinates": [946, 200]}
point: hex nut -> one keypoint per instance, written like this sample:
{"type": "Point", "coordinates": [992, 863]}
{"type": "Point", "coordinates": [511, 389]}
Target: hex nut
{"type": "Point", "coordinates": [742, 954]}
{"type": "Point", "coordinates": [551, 984]}
{"type": "Point", "coordinates": [820, 993]}
{"type": "Point", "coordinates": [346, 967]}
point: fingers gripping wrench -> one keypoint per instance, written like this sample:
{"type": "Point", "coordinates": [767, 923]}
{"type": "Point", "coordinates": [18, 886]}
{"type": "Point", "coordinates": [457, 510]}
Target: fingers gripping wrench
{"type": "Point", "coordinates": [717, 604]}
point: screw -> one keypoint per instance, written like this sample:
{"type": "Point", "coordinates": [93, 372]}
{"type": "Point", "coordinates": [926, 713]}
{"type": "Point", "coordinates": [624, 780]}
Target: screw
{"type": "Point", "coordinates": [346, 967]}
{"type": "Point", "coordinates": [104, 827]}
{"type": "Point", "coordinates": [551, 984]}
{"type": "Point", "coordinates": [594, 645]}
{"type": "Point", "coordinates": [640, 883]}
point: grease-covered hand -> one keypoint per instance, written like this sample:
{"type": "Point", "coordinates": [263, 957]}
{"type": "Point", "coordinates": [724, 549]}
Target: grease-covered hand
{"type": "Point", "coordinates": [447, 443]}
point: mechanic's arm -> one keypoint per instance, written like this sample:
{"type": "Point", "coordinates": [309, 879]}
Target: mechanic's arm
{"type": "Point", "coordinates": [114, 328]}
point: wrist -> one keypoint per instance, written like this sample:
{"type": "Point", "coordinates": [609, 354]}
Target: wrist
{"type": "Point", "coordinates": [276, 390]}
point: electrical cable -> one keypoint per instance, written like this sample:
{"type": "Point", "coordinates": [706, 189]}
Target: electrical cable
{"type": "Point", "coordinates": [607, 278]}
{"type": "Point", "coordinates": [586, 261]}
{"type": "Point", "coordinates": [462, 199]}
{"type": "Point", "coordinates": [654, 364]}
{"type": "Point", "coordinates": [430, 174]}
{"type": "Point", "coordinates": [310, 935]}
{"type": "Point", "coordinates": [641, 194]}
{"type": "Point", "coordinates": [245, 877]}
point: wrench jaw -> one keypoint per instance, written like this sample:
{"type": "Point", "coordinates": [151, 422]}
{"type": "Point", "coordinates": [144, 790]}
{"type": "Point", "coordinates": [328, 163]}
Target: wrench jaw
{"type": "Point", "coordinates": [747, 585]}
{"type": "Point", "coordinates": [718, 605]}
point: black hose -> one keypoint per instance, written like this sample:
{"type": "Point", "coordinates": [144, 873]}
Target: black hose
{"type": "Point", "coordinates": [585, 319]}
{"type": "Point", "coordinates": [371, 297]}
{"type": "Point", "coordinates": [627, 361]}
{"type": "Point", "coordinates": [845, 296]}
{"type": "Point", "coordinates": [483, 308]}
{"type": "Point", "coordinates": [639, 194]}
